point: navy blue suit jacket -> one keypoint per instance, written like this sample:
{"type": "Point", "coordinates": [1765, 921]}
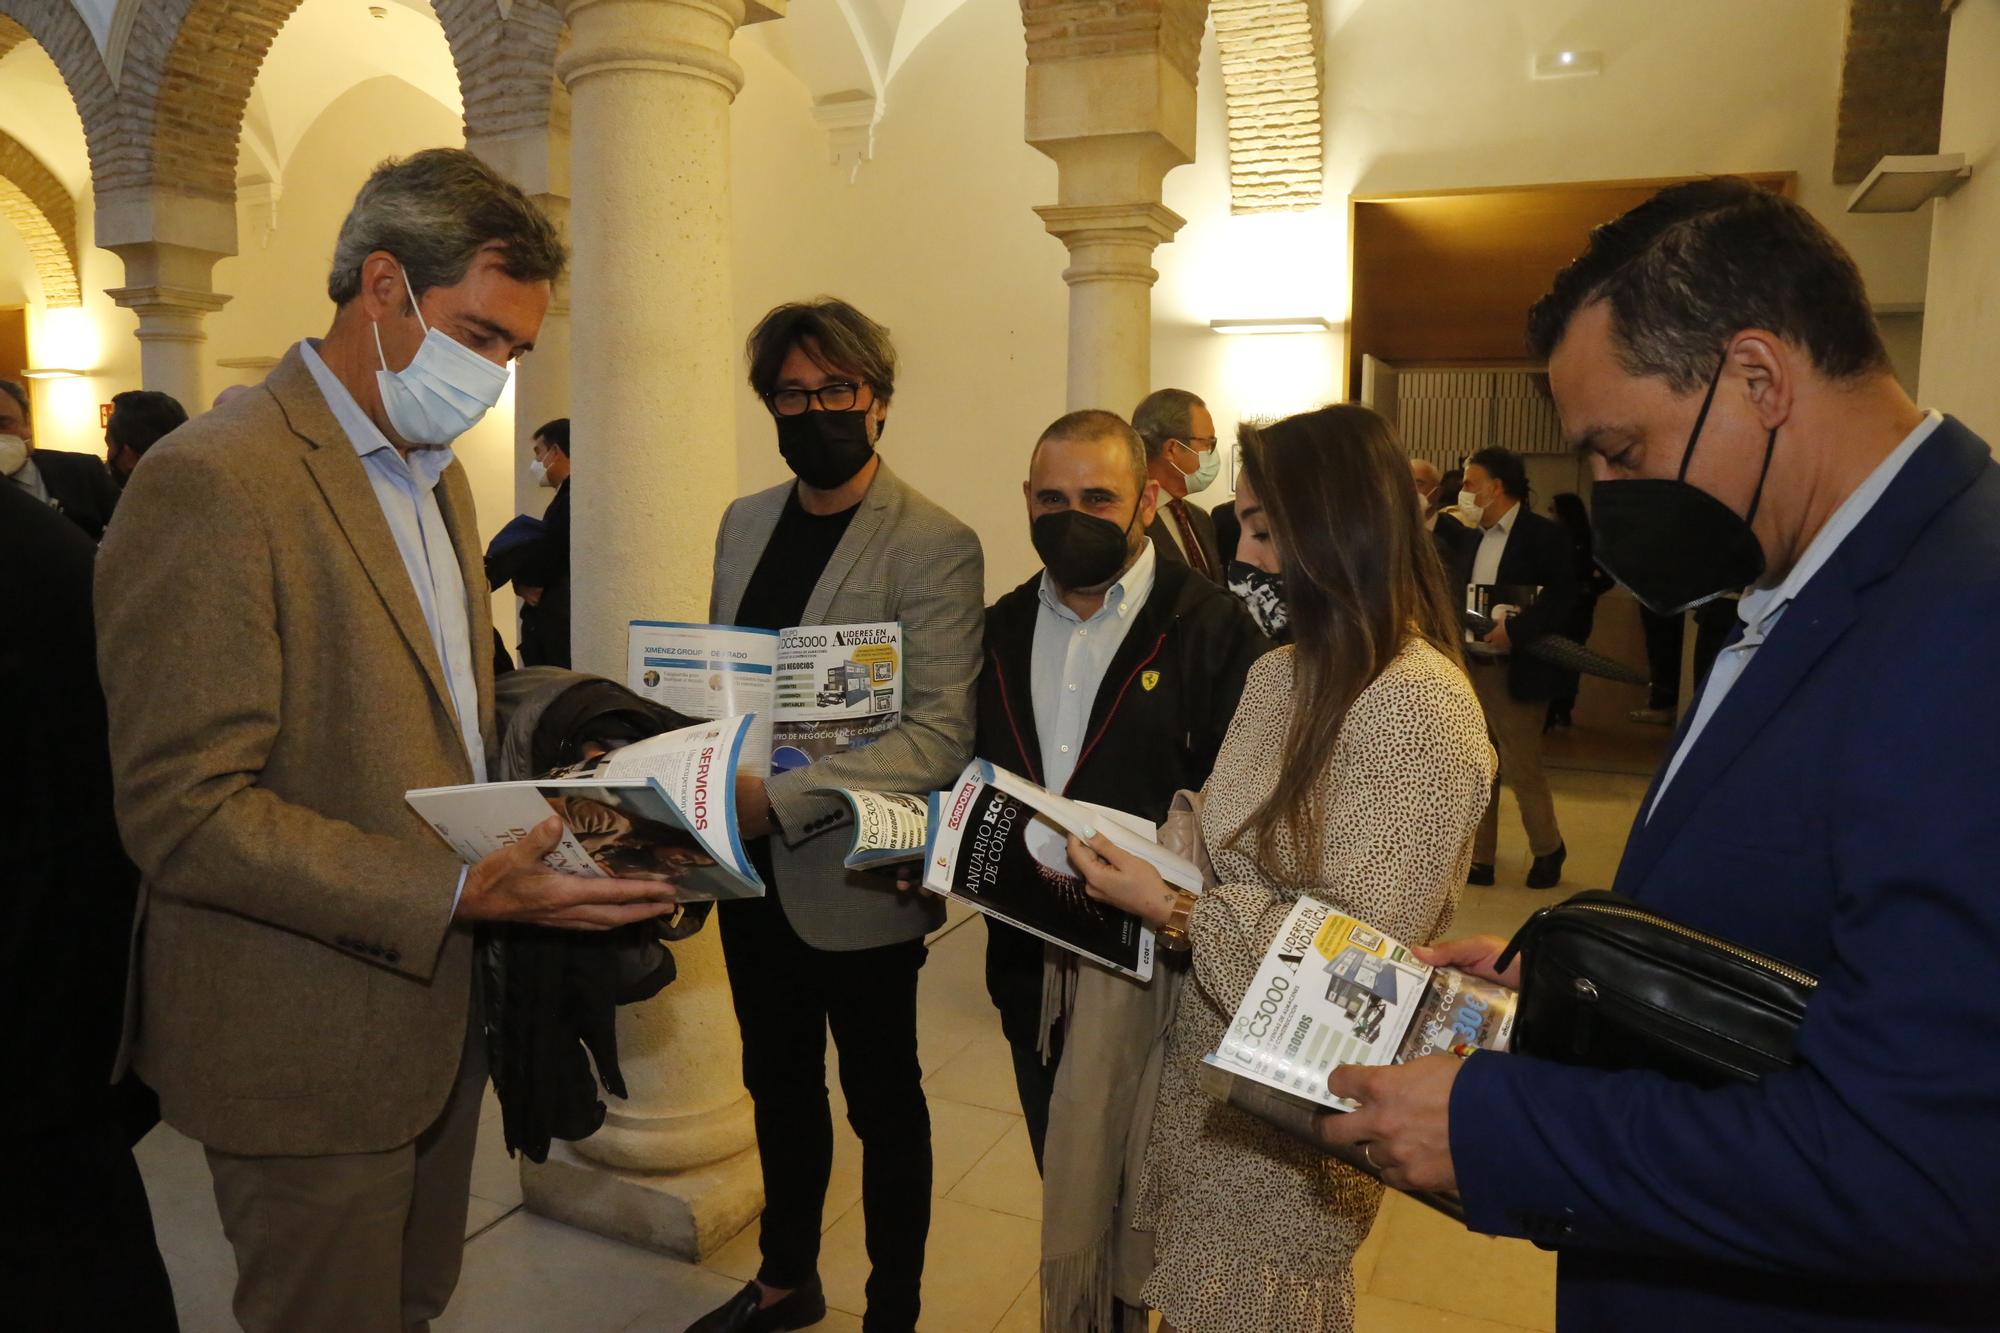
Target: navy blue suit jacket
{"type": "Point", "coordinates": [1838, 812]}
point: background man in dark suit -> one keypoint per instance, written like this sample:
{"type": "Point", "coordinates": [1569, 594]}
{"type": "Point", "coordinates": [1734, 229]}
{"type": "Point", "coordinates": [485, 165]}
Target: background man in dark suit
{"type": "Point", "coordinates": [140, 418]}
{"type": "Point", "coordinates": [544, 579]}
{"type": "Point", "coordinates": [1516, 547]}
{"type": "Point", "coordinates": [1181, 456]}
{"type": "Point", "coordinates": [1827, 804]}
{"type": "Point", "coordinates": [79, 485]}
{"type": "Point", "coordinates": [82, 1253]}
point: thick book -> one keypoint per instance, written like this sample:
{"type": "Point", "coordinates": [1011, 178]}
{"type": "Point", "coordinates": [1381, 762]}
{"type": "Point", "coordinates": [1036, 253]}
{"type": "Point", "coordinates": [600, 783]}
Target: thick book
{"type": "Point", "coordinates": [663, 808]}
{"type": "Point", "coordinates": [814, 690]}
{"type": "Point", "coordinates": [1335, 991]}
{"type": "Point", "coordinates": [1001, 844]}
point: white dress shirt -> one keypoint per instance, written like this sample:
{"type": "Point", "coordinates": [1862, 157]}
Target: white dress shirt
{"type": "Point", "coordinates": [407, 492]}
{"type": "Point", "coordinates": [1493, 545]}
{"type": "Point", "coordinates": [1761, 608]}
{"type": "Point", "coordinates": [1069, 659]}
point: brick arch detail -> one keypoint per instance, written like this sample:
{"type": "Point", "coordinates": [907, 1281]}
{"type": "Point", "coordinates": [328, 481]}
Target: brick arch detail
{"type": "Point", "coordinates": [190, 65]}
{"type": "Point", "coordinates": [58, 29]}
{"type": "Point", "coordinates": [35, 202]}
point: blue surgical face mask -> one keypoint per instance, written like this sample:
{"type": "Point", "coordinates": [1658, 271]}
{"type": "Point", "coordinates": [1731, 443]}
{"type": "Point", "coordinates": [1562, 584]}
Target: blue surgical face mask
{"type": "Point", "coordinates": [443, 392]}
{"type": "Point", "coordinates": [1205, 471]}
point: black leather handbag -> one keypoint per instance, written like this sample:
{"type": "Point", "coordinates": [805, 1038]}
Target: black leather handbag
{"type": "Point", "coordinates": [1608, 984]}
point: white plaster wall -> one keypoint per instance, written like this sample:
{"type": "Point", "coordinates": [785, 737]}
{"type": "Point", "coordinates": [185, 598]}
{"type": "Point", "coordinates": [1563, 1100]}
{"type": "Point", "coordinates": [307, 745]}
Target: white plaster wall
{"type": "Point", "coordinates": [1962, 312]}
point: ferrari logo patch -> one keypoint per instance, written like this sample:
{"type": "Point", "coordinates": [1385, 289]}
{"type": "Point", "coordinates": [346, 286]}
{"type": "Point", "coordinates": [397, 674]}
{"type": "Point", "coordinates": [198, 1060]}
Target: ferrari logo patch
{"type": "Point", "coordinates": [1148, 679]}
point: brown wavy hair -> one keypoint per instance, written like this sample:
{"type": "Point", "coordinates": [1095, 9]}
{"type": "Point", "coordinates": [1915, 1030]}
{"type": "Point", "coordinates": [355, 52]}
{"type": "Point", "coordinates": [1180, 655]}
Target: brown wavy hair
{"type": "Point", "coordinates": [1362, 577]}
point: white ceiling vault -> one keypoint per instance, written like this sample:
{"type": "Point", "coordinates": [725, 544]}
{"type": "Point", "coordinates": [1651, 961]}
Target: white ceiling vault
{"type": "Point", "coordinates": [845, 53]}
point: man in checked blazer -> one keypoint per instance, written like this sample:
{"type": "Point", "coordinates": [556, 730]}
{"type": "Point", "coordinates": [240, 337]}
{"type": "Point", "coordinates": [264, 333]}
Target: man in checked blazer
{"type": "Point", "coordinates": [848, 542]}
{"type": "Point", "coordinates": [302, 989]}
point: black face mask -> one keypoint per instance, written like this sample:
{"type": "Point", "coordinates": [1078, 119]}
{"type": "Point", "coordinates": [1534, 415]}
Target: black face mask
{"type": "Point", "coordinates": [1672, 544]}
{"type": "Point", "coordinates": [1264, 594]}
{"type": "Point", "coordinates": [825, 449]}
{"type": "Point", "coordinates": [1081, 550]}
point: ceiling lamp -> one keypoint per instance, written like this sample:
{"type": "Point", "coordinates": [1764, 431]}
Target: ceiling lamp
{"type": "Point", "coordinates": [1569, 64]}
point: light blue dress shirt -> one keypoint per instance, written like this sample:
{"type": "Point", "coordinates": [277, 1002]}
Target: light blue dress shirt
{"type": "Point", "coordinates": [407, 490]}
{"type": "Point", "coordinates": [1761, 608]}
{"type": "Point", "coordinates": [1069, 660]}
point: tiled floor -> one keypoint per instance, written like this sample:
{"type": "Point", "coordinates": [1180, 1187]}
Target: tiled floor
{"type": "Point", "coordinates": [524, 1274]}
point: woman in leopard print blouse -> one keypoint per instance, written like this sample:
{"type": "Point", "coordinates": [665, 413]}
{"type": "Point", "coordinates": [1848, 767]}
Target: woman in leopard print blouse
{"type": "Point", "coordinates": [1356, 770]}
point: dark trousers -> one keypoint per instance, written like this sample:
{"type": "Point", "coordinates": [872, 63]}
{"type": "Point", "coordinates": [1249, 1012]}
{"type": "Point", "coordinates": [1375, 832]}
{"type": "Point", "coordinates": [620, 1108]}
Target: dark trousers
{"type": "Point", "coordinates": [83, 1256]}
{"type": "Point", "coordinates": [1713, 622]}
{"type": "Point", "coordinates": [1014, 984]}
{"type": "Point", "coordinates": [787, 995]}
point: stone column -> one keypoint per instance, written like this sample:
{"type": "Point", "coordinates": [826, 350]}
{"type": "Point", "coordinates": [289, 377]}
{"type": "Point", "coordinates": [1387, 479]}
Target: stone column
{"type": "Point", "coordinates": [653, 362]}
{"type": "Point", "coordinates": [172, 341]}
{"type": "Point", "coordinates": [1110, 277]}
{"type": "Point", "coordinates": [1115, 111]}
{"type": "Point", "coordinates": [169, 242]}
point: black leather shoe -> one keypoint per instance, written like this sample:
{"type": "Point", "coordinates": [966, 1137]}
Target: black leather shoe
{"type": "Point", "coordinates": [1547, 871]}
{"type": "Point", "coordinates": [741, 1314]}
{"type": "Point", "coordinates": [1479, 874]}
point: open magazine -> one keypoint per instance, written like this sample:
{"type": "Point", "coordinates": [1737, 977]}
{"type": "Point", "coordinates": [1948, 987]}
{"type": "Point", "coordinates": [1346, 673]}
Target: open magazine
{"type": "Point", "coordinates": [813, 690]}
{"type": "Point", "coordinates": [888, 827]}
{"type": "Point", "coordinates": [662, 808]}
{"type": "Point", "coordinates": [1334, 991]}
{"type": "Point", "coordinates": [1001, 844]}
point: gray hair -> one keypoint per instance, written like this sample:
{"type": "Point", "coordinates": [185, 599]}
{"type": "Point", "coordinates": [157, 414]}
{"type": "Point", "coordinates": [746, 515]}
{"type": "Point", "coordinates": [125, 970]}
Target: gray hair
{"type": "Point", "coordinates": [1164, 414]}
{"type": "Point", "coordinates": [435, 211]}
{"type": "Point", "coordinates": [1096, 424]}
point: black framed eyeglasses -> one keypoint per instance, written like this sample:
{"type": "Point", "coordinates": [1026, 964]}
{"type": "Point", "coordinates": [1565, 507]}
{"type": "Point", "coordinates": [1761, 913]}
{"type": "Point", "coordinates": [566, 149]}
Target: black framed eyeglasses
{"type": "Point", "coordinates": [838, 396]}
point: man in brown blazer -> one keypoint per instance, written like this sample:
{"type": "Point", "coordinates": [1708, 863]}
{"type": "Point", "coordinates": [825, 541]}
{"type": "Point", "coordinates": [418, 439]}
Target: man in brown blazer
{"type": "Point", "coordinates": [302, 988]}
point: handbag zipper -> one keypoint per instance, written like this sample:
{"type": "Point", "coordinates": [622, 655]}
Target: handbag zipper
{"type": "Point", "coordinates": [1785, 970]}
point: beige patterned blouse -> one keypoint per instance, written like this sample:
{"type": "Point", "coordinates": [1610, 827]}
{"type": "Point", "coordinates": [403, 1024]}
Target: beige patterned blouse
{"type": "Point", "coordinates": [1253, 1231]}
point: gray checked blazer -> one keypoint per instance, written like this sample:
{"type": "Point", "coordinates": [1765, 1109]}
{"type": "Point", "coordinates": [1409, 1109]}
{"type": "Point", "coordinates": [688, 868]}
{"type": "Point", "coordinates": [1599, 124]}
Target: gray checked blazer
{"type": "Point", "coordinates": [904, 559]}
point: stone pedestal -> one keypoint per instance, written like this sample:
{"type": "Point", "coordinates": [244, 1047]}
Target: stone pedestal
{"type": "Point", "coordinates": [654, 357]}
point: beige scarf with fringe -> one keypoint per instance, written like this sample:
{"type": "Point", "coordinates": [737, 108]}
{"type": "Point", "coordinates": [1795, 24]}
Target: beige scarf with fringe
{"type": "Point", "coordinates": [1101, 1119]}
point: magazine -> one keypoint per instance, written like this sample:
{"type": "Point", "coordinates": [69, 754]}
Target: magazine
{"type": "Point", "coordinates": [1001, 844]}
{"type": "Point", "coordinates": [813, 690]}
{"type": "Point", "coordinates": [1334, 991]}
{"type": "Point", "coordinates": [662, 808]}
{"type": "Point", "coordinates": [889, 827]}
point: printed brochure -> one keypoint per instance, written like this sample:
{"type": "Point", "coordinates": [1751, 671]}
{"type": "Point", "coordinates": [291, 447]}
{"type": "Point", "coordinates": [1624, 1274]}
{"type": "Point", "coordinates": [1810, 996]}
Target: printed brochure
{"type": "Point", "coordinates": [1001, 844]}
{"type": "Point", "coordinates": [889, 827]}
{"type": "Point", "coordinates": [663, 808]}
{"type": "Point", "coordinates": [813, 690]}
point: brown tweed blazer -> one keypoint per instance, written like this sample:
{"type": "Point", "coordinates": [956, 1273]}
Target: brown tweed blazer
{"type": "Point", "coordinates": [297, 985]}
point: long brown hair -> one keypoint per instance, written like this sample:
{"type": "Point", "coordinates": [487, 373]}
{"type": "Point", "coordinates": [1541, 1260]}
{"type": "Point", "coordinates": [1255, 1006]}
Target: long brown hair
{"type": "Point", "coordinates": [1361, 577]}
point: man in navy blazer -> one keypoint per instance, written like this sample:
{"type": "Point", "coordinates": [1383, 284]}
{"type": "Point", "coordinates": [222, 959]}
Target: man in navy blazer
{"type": "Point", "coordinates": [1828, 802]}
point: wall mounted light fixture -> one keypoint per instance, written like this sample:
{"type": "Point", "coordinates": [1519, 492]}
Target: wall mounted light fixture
{"type": "Point", "coordinates": [53, 373]}
{"type": "Point", "coordinates": [1569, 64]}
{"type": "Point", "coordinates": [1905, 183]}
{"type": "Point", "coordinates": [1300, 324]}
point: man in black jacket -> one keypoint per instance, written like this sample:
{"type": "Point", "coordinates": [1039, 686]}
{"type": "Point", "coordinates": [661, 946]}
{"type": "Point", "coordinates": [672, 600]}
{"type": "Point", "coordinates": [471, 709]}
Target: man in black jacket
{"type": "Point", "coordinates": [543, 580]}
{"type": "Point", "coordinates": [83, 1254]}
{"type": "Point", "coordinates": [1110, 677]}
{"type": "Point", "coordinates": [79, 486]}
{"type": "Point", "coordinates": [1528, 557]}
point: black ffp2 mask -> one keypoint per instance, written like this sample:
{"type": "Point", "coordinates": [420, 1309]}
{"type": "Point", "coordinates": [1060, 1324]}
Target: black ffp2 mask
{"type": "Point", "coordinates": [1080, 550]}
{"type": "Point", "coordinates": [825, 449]}
{"type": "Point", "coordinates": [1672, 544]}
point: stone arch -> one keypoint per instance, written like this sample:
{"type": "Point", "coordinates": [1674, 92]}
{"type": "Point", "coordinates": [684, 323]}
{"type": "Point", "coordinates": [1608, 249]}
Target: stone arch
{"type": "Point", "coordinates": [189, 66]}
{"type": "Point", "coordinates": [59, 30]}
{"type": "Point", "coordinates": [42, 211]}
{"type": "Point", "coordinates": [506, 65]}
